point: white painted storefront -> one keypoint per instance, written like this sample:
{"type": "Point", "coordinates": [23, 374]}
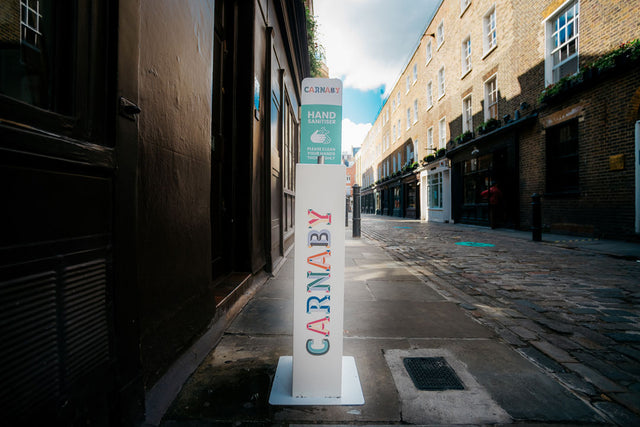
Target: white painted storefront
{"type": "Point", "coordinates": [435, 192]}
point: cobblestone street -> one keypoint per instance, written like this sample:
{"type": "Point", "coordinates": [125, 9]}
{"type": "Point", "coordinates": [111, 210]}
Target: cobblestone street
{"type": "Point", "coordinates": [574, 313]}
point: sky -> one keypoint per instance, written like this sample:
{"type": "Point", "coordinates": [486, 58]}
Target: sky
{"type": "Point", "coordinates": [367, 44]}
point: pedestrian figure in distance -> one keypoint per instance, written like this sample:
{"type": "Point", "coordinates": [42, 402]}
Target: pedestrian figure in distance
{"type": "Point", "coordinates": [494, 194]}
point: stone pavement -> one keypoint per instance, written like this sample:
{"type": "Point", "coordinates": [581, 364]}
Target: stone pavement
{"type": "Point", "coordinates": [568, 304]}
{"type": "Point", "coordinates": [533, 336]}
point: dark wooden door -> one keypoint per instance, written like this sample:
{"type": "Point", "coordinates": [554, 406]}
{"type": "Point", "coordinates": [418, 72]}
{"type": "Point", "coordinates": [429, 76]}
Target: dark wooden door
{"type": "Point", "coordinates": [58, 173]}
{"type": "Point", "coordinates": [221, 149]}
{"type": "Point", "coordinates": [276, 158]}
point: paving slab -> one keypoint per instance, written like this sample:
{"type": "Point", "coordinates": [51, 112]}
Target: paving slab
{"type": "Point", "coordinates": [410, 319]}
{"type": "Point", "coordinates": [472, 405]}
{"type": "Point", "coordinates": [384, 290]}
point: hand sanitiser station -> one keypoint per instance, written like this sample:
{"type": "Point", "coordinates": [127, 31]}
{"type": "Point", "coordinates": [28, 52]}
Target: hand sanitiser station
{"type": "Point", "coordinates": [318, 373]}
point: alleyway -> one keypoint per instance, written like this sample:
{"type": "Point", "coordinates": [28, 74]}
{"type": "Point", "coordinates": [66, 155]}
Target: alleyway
{"type": "Point", "coordinates": [536, 333]}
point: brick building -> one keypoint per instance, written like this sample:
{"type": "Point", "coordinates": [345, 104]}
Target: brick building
{"type": "Point", "coordinates": [468, 107]}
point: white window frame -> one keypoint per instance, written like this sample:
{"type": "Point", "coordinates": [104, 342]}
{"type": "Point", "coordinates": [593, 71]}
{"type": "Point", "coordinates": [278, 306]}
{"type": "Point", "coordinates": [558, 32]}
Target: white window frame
{"type": "Point", "coordinates": [430, 146]}
{"type": "Point", "coordinates": [440, 34]}
{"type": "Point", "coordinates": [490, 92]}
{"type": "Point", "coordinates": [398, 135]}
{"type": "Point", "coordinates": [33, 31]}
{"type": "Point", "coordinates": [428, 51]}
{"type": "Point", "coordinates": [398, 100]}
{"type": "Point", "coordinates": [465, 54]}
{"type": "Point", "coordinates": [442, 133]}
{"type": "Point", "coordinates": [407, 83]}
{"type": "Point", "coordinates": [489, 31]}
{"type": "Point", "coordinates": [429, 94]}
{"type": "Point", "coordinates": [550, 32]}
{"type": "Point", "coordinates": [467, 114]}
{"type": "Point", "coordinates": [464, 5]}
{"type": "Point", "coordinates": [434, 180]}
{"type": "Point", "coordinates": [415, 111]}
{"type": "Point", "coordinates": [441, 82]}
{"type": "Point", "coordinates": [415, 73]}
{"type": "Point", "coordinates": [408, 117]}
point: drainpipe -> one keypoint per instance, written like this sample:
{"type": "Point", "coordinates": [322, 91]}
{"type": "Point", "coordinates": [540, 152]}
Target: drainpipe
{"type": "Point", "coordinates": [637, 151]}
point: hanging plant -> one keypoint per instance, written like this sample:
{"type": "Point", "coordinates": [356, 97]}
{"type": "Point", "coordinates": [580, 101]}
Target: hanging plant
{"type": "Point", "coordinates": [316, 50]}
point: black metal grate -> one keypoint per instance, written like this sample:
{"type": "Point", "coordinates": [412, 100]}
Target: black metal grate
{"type": "Point", "coordinates": [432, 373]}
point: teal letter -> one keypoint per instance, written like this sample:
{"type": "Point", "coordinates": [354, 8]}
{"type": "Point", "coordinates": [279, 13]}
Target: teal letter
{"type": "Point", "coordinates": [320, 351]}
{"type": "Point", "coordinates": [317, 285]}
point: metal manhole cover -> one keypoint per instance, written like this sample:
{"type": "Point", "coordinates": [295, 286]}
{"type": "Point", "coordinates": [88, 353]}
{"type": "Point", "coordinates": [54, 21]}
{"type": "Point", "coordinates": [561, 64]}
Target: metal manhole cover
{"type": "Point", "coordinates": [432, 373]}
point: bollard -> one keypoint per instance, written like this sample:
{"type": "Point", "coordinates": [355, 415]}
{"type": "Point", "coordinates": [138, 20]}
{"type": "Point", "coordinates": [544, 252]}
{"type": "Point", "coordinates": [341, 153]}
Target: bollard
{"type": "Point", "coordinates": [356, 210]}
{"type": "Point", "coordinates": [346, 211]}
{"type": "Point", "coordinates": [536, 221]}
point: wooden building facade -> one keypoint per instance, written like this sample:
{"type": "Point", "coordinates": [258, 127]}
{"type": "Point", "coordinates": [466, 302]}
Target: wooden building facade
{"type": "Point", "coordinates": [147, 151]}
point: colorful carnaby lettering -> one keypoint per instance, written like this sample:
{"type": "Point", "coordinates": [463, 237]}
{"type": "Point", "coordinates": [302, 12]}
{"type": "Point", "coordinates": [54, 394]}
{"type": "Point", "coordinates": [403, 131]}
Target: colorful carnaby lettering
{"type": "Point", "coordinates": [320, 326]}
{"type": "Point", "coordinates": [318, 282]}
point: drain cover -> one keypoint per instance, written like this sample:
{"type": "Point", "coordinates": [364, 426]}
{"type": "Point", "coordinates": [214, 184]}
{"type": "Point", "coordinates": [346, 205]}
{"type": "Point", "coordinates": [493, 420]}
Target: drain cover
{"type": "Point", "coordinates": [432, 373]}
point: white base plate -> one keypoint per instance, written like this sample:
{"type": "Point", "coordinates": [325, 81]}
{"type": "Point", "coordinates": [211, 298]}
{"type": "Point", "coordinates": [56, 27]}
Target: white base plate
{"type": "Point", "coordinates": [281, 393]}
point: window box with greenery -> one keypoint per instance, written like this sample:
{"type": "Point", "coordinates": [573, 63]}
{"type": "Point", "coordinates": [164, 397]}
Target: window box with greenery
{"type": "Point", "coordinates": [488, 126]}
{"type": "Point", "coordinates": [464, 137]}
{"type": "Point", "coordinates": [441, 152]}
{"type": "Point", "coordinates": [430, 158]}
{"type": "Point", "coordinates": [409, 167]}
{"type": "Point", "coordinates": [625, 56]}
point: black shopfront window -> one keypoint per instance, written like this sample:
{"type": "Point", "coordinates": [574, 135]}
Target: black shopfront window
{"type": "Point", "coordinates": [37, 52]}
{"type": "Point", "coordinates": [562, 159]}
{"type": "Point", "coordinates": [53, 66]}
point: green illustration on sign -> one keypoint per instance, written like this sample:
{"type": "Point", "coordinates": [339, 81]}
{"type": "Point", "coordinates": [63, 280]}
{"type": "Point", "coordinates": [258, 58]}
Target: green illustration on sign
{"type": "Point", "coordinates": [321, 133]}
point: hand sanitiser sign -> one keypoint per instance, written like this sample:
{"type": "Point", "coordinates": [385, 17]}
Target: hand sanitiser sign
{"type": "Point", "coordinates": [318, 373]}
{"type": "Point", "coordinates": [321, 121]}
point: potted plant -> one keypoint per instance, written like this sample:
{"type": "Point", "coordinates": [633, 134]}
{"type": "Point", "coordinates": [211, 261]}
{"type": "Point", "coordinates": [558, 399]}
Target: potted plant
{"type": "Point", "coordinates": [488, 126]}
{"type": "Point", "coordinates": [464, 137]}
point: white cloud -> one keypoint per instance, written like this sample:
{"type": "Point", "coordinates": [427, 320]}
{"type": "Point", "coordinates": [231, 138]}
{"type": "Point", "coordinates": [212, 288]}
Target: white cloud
{"type": "Point", "coordinates": [367, 42]}
{"type": "Point", "coordinates": [353, 134]}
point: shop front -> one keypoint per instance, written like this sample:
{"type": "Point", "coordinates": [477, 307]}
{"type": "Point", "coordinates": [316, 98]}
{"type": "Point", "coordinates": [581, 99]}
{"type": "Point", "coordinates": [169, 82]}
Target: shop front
{"type": "Point", "coordinates": [398, 196]}
{"type": "Point", "coordinates": [435, 192]}
{"type": "Point", "coordinates": [485, 178]}
{"type": "Point", "coordinates": [367, 200]}
{"type": "Point", "coordinates": [410, 197]}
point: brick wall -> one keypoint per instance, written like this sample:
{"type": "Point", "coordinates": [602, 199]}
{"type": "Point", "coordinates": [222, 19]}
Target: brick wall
{"type": "Point", "coordinates": [10, 22]}
{"type": "Point", "coordinates": [608, 109]}
{"type": "Point", "coordinates": [604, 206]}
